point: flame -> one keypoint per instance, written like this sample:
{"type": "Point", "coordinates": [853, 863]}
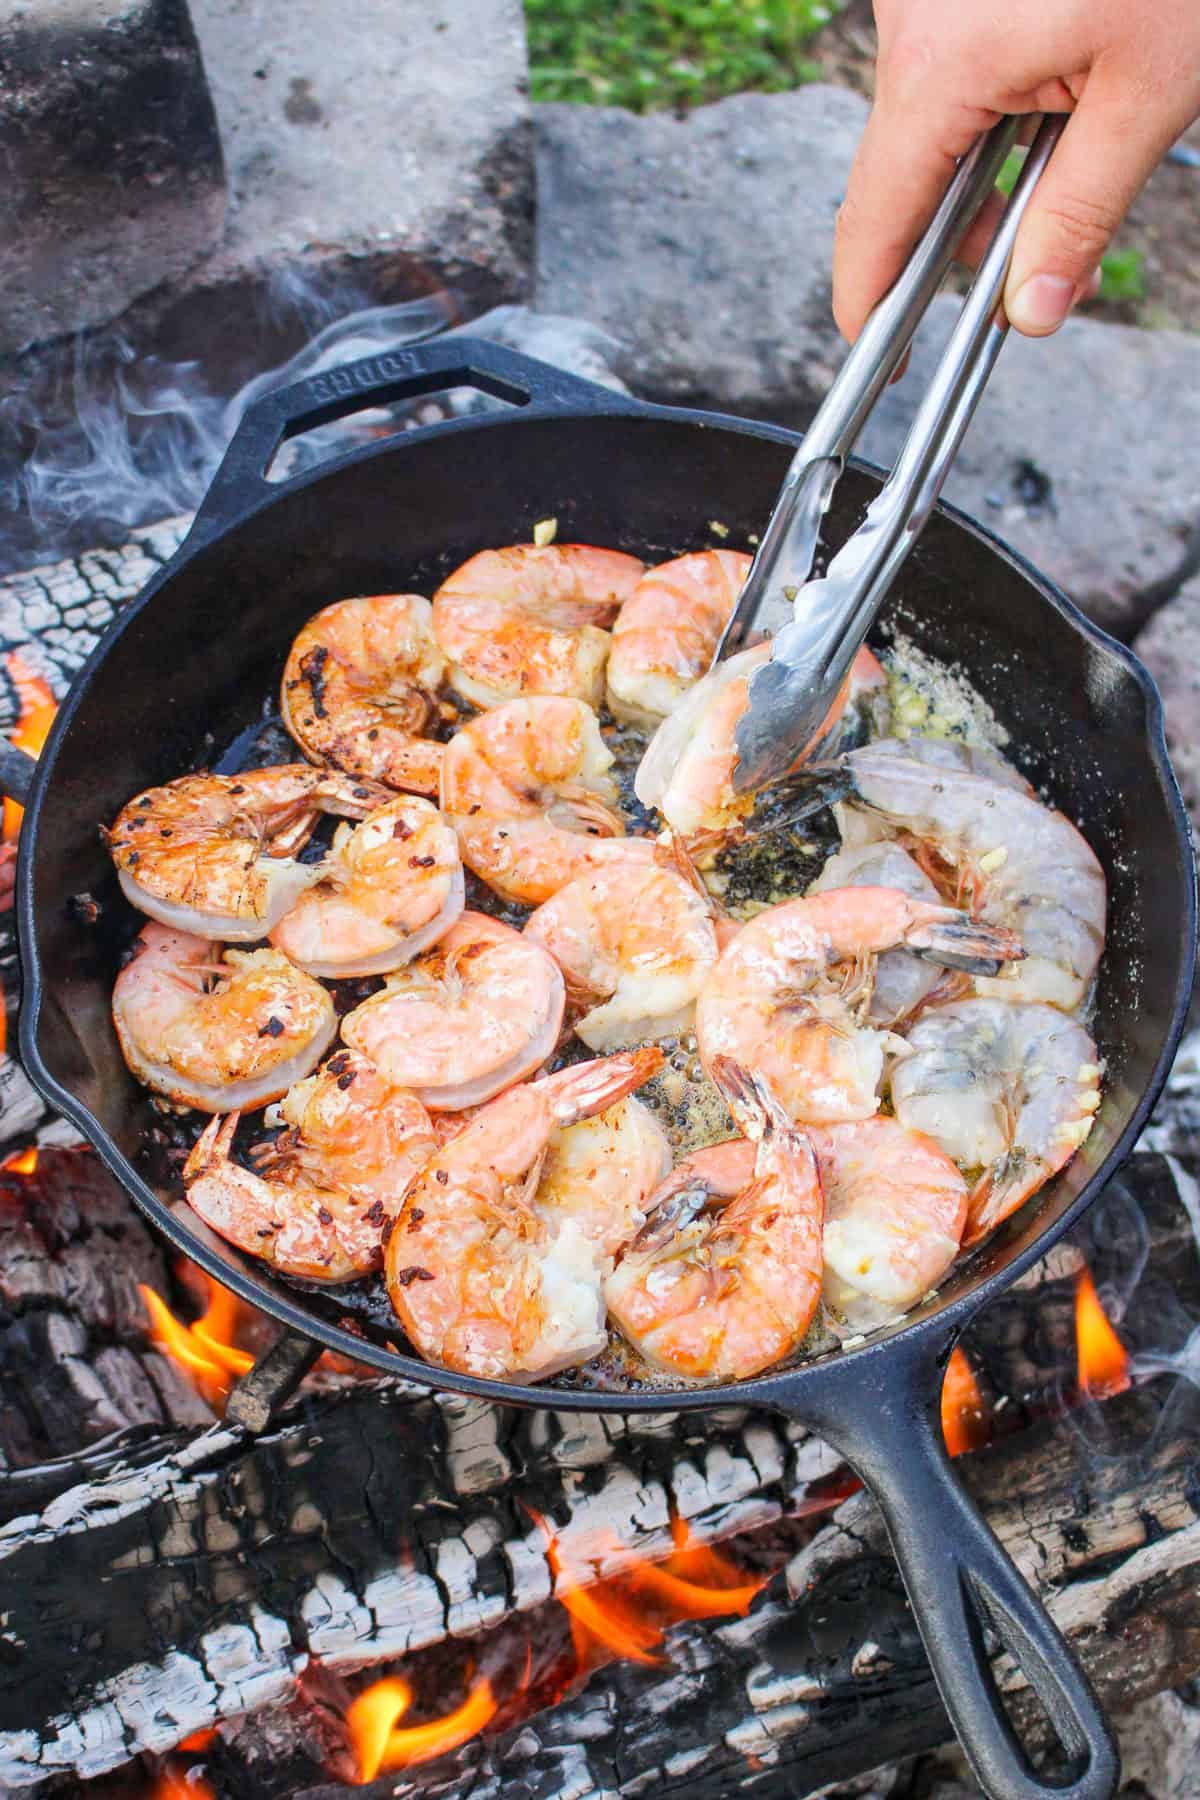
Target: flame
{"type": "Point", "coordinates": [175, 1784]}
{"type": "Point", "coordinates": [206, 1349]}
{"type": "Point", "coordinates": [1101, 1358]}
{"type": "Point", "coordinates": [37, 709]}
{"type": "Point", "coordinates": [198, 1740]}
{"type": "Point", "coordinates": [696, 1582]}
{"type": "Point", "coordinates": [964, 1417]}
{"type": "Point", "coordinates": [380, 1743]}
{"type": "Point", "coordinates": [22, 1162]}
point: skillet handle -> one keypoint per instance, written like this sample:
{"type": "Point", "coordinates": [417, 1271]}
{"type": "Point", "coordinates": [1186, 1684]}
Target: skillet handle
{"type": "Point", "coordinates": [960, 1580]}
{"type": "Point", "coordinates": [240, 483]}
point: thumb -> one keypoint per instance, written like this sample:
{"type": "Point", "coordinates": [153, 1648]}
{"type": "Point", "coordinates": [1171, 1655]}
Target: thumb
{"type": "Point", "coordinates": [1104, 156]}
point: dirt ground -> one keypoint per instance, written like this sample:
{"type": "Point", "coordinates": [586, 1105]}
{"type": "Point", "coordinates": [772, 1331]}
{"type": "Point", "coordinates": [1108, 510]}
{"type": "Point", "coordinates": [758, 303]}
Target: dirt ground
{"type": "Point", "coordinates": [1164, 224]}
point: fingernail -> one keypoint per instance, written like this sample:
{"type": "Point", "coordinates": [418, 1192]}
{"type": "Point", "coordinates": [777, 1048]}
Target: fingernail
{"type": "Point", "coordinates": [1041, 303]}
{"type": "Point", "coordinates": [1090, 289]}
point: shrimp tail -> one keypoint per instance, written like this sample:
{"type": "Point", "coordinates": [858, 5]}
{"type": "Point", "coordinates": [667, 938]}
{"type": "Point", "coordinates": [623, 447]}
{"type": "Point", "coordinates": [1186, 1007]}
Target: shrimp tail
{"type": "Point", "coordinates": [960, 942]}
{"type": "Point", "coordinates": [588, 1088]}
{"type": "Point", "coordinates": [803, 792]}
{"type": "Point", "coordinates": [756, 1111]}
{"type": "Point", "coordinates": [213, 1146]}
{"type": "Point", "coordinates": [998, 1193]}
{"type": "Point", "coordinates": [669, 1218]}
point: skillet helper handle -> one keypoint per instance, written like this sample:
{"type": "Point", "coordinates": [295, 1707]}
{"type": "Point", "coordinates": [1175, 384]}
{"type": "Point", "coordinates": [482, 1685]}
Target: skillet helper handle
{"type": "Point", "coordinates": [960, 1580]}
{"type": "Point", "coordinates": [240, 483]}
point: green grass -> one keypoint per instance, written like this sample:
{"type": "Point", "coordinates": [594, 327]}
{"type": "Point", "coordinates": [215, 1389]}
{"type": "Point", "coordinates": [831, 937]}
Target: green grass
{"type": "Point", "coordinates": [1123, 275]}
{"type": "Point", "coordinates": [650, 54]}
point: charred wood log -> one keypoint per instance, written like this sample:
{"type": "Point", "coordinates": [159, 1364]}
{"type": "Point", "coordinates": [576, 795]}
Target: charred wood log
{"type": "Point", "coordinates": [373, 1524]}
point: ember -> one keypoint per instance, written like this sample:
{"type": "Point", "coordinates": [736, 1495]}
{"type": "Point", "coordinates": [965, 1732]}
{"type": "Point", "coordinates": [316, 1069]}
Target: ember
{"type": "Point", "coordinates": [1102, 1360]}
{"type": "Point", "coordinates": [24, 1162]}
{"type": "Point", "coordinates": [965, 1423]}
{"type": "Point", "coordinates": [37, 709]}
{"type": "Point", "coordinates": [381, 1743]}
{"type": "Point", "coordinates": [206, 1349]}
{"type": "Point", "coordinates": [179, 1784]}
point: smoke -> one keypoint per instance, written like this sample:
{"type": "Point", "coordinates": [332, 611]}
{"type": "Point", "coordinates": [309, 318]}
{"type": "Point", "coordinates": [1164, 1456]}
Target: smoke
{"type": "Point", "coordinates": [123, 439]}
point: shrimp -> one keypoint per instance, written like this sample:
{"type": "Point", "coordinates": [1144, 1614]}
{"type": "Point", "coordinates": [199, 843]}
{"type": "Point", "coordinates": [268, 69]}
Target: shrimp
{"type": "Point", "coordinates": [389, 888]}
{"type": "Point", "coordinates": [216, 1033]}
{"type": "Point", "coordinates": [635, 945]}
{"type": "Point", "coordinates": [360, 690]}
{"type": "Point", "coordinates": [529, 620]}
{"type": "Point", "coordinates": [1005, 1088]}
{"type": "Point", "coordinates": [902, 981]}
{"type": "Point", "coordinates": [720, 1296]}
{"type": "Point", "coordinates": [215, 854]}
{"type": "Point", "coordinates": [688, 767]}
{"type": "Point", "coordinates": [1025, 866]}
{"type": "Point", "coordinates": [319, 1198]}
{"type": "Point", "coordinates": [476, 1013]}
{"type": "Point", "coordinates": [667, 632]}
{"type": "Point", "coordinates": [787, 996]}
{"type": "Point", "coordinates": [895, 1207]}
{"type": "Point", "coordinates": [527, 788]}
{"type": "Point", "coordinates": [489, 1274]}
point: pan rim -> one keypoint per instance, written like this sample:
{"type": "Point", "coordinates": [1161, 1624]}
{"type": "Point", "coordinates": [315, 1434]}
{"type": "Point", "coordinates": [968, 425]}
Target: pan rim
{"type": "Point", "coordinates": [929, 1337]}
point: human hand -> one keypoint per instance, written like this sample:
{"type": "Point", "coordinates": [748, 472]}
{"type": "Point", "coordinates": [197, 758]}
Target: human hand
{"type": "Point", "coordinates": [1128, 71]}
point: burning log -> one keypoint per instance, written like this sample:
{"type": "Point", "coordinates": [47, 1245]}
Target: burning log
{"type": "Point", "coordinates": [374, 1525]}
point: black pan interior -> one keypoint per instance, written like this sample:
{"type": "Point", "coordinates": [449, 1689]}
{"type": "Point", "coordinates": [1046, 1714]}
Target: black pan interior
{"type": "Point", "coordinates": [191, 664]}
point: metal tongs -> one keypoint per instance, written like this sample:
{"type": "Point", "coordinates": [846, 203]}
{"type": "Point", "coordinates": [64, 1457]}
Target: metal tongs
{"type": "Point", "coordinates": [816, 627]}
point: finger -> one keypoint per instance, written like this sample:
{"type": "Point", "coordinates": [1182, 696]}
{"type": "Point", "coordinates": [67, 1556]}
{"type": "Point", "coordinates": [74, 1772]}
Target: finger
{"type": "Point", "coordinates": [1111, 144]}
{"type": "Point", "coordinates": [900, 173]}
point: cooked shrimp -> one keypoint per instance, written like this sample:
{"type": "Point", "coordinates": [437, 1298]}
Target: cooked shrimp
{"type": "Point", "coordinates": [218, 1034]}
{"type": "Point", "coordinates": [720, 1296]}
{"type": "Point", "coordinates": [688, 768]}
{"type": "Point", "coordinates": [787, 997]}
{"type": "Point", "coordinates": [360, 690]}
{"type": "Point", "coordinates": [489, 1275]}
{"type": "Point", "coordinates": [1008, 1089]}
{"type": "Point", "coordinates": [527, 788]}
{"type": "Point", "coordinates": [389, 888]}
{"type": "Point", "coordinates": [635, 944]}
{"type": "Point", "coordinates": [902, 981]}
{"type": "Point", "coordinates": [319, 1198]}
{"type": "Point", "coordinates": [215, 854]}
{"type": "Point", "coordinates": [479, 1011]}
{"type": "Point", "coordinates": [530, 620]}
{"type": "Point", "coordinates": [667, 632]}
{"type": "Point", "coordinates": [895, 1206]}
{"type": "Point", "coordinates": [1024, 866]}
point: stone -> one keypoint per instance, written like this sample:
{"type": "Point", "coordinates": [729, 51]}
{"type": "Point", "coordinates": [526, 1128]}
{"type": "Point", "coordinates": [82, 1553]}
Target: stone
{"type": "Point", "coordinates": [1082, 455]}
{"type": "Point", "coordinates": [373, 157]}
{"type": "Point", "coordinates": [1170, 648]}
{"type": "Point", "coordinates": [112, 164]}
{"type": "Point", "coordinates": [704, 243]}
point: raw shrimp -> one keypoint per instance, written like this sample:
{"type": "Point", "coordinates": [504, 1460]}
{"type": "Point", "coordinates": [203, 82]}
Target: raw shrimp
{"type": "Point", "coordinates": [1008, 1089]}
{"type": "Point", "coordinates": [1024, 866]}
{"type": "Point", "coordinates": [529, 620]}
{"type": "Point", "coordinates": [720, 1296]}
{"type": "Point", "coordinates": [319, 1198]}
{"type": "Point", "coordinates": [217, 1034]}
{"type": "Point", "coordinates": [786, 998]}
{"type": "Point", "coordinates": [667, 632]}
{"type": "Point", "coordinates": [635, 945]}
{"type": "Point", "coordinates": [527, 788]}
{"type": "Point", "coordinates": [479, 1011]}
{"type": "Point", "coordinates": [215, 854]}
{"type": "Point", "coordinates": [688, 768]}
{"type": "Point", "coordinates": [389, 888]}
{"type": "Point", "coordinates": [492, 1277]}
{"type": "Point", "coordinates": [895, 1206]}
{"type": "Point", "coordinates": [360, 690]}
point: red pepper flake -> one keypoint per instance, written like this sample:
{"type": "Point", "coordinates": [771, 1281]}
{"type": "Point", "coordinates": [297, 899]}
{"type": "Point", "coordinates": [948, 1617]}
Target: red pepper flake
{"type": "Point", "coordinates": [441, 1176]}
{"type": "Point", "coordinates": [407, 1276]}
{"type": "Point", "coordinates": [415, 1217]}
{"type": "Point", "coordinates": [374, 1214]}
{"type": "Point", "coordinates": [325, 1216]}
{"type": "Point", "coordinates": [400, 829]}
{"type": "Point", "coordinates": [273, 1028]}
{"type": "Point", "coordinates": [421, 862]}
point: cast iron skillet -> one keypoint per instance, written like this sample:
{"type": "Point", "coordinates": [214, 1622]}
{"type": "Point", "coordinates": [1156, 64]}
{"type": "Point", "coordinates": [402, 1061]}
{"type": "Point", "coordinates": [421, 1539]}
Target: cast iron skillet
{"type": "Point", "coordinates": [184, 670]}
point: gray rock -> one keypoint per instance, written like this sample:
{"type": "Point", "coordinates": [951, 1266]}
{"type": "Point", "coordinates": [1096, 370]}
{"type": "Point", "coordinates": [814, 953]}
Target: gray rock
{"type": "Point", "coordinates": [373, 156]}
{"type": "Point", "coordinates": [1170, 648]}
{"type": "Point", "coordinates": [1082, 454]}
{"type": "Point", "coordinates": [112, 164]}
{"type": "Point", "coordinates": [704, 243]}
